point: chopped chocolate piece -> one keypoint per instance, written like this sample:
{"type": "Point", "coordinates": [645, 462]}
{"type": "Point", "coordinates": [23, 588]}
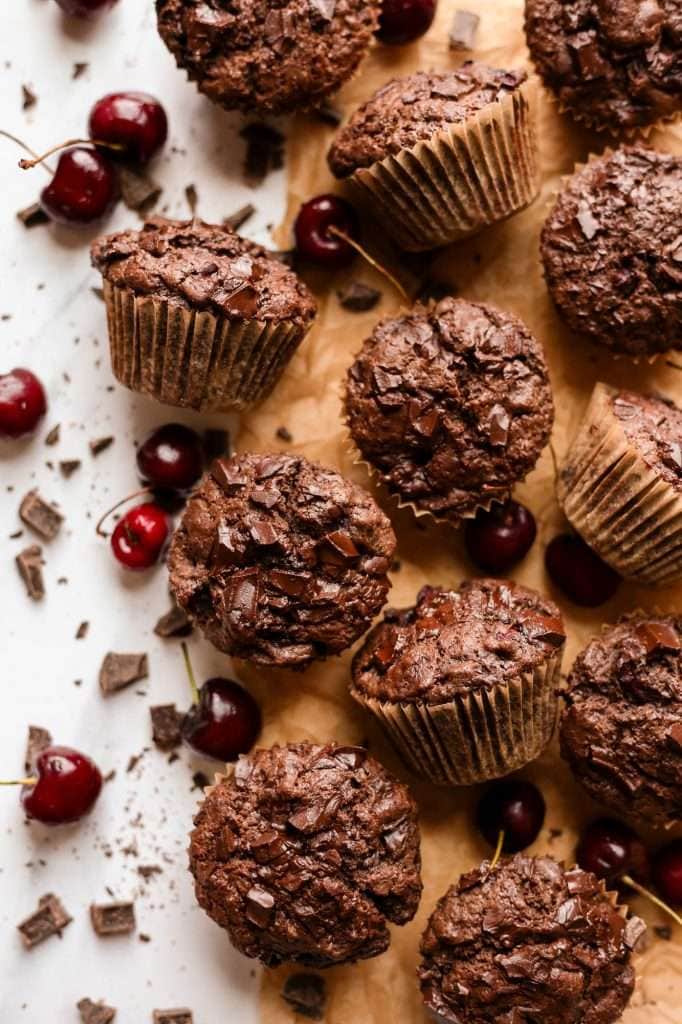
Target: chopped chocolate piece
{"type": "Point", "coordinates": [100, 444]}
{"type": "Point", "coordinates": [264, 150]}
{"type": "Point", "coordinates": [29, 98]}
{"type": "Point", "coordinates": [240, 217]}
{"type": "Point", "coordinates": [192, 197]}
{"type": "Point", "coordinates": [358, 298]}
{"type": "Point", "coordinates": [69, 466]}
{"type": "Point", "coordinates": [33, 215]}
{"type": "Point", "coordinates": [82, 630]}
{"type": "Point", "coordinates": [306, 994]}
{"type": "Point", "coordinates": [30, 566]}
{"type": "Point", "coordinates": [216, 443]}
{"type": "Point", "coordinates": [113, 918]}
{"type": "Point", "coordinates": [42, 517]}
{"type": "Point", "coordinates": [166, 722]}
{"type": "Point", "coordinates": [53, 436]}
{"type": "Point", "coordinates": [79, 68]}
{"type": "Point", "coordinates": [284, 434]}
{"type": "Point", "coordinates": [49, 919]}
{"type": "Point", "coordinates": [200, 780]}
{"type": "Point", "coordinates": [95, 1013]}
{"type": "Point", "coordinates": [175, 623]}
{"type": "Point", "coordinates": [180, 1016]}
{"type": "Point", "coordinates": [121, 670]}
{"type": "Point", "coordinates": [463, 30]}
{"type": "Point", "coordinates": [138, 192]}
{"type": "Point", "coordinates": [39, 739]}
{"type": "Point", "coordinates": [148, 871]}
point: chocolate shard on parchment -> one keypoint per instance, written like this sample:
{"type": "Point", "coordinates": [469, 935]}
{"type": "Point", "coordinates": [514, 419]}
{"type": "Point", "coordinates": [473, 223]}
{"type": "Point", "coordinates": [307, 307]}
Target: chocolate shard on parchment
{"type": "Point", "coordinates": [120, 670]}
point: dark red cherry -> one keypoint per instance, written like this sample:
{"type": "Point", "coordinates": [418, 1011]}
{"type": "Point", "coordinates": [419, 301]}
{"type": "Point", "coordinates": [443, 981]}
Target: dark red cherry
{"type": "Point", "coordinates": [141, 536]}
{"type": "Point", "coordinates": [85, 8]}
{"type": "Point", "coordinates": [133, 120]}
{"type": "Point", "coordinates": [514, 807]}
{"type": "Point", "coordinates": [171, 457]}
{"type": "Point", "coordinates": [610, 849]}
{"type": "Point", "coordinates": [22, 403]}
{"type": "Point", "coordinates": [497, 539]}
{"type": "Point", "coordinates": [83, 188]}
{"type": "Point", "coordinates": [579, 571]}
{"type": "Point", "coordinates": [225, 723]}
{"type": "Point", "coordinates": [315, 241]}
{"type": "Point", "coordinates": [402, 21]}
{"type": "Point", "coordinates": [667, 872]}
{"type": "Point", "coordinates": [68, 783]}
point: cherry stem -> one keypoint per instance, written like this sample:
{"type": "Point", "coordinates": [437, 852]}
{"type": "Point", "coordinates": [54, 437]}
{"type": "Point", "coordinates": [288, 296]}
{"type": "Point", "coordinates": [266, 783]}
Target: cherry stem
{"type": "Point", "coordinates": [498, 850]}
{"type": "Point", "coordinates": [137, 494]}
{"type": "Point", "coordinates": [31, 781]}
{"type": "Point", "coordinates": [190, 673]}
{"type": "Point", "coordinates": [652, 897]}
{"type": "Point", "coordinates": [555, 463]}
{"type": "Point", "coordinates": [26, 165]}
{"type": "Point", "coordinates": [333, 230]}
{"type": "Point", "coordinates": [22, 145]}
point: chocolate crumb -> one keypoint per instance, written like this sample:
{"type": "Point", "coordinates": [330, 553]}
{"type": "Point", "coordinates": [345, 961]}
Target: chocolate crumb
{"type": "Point", "coordinates": [284, 434]}
{"type": "Point", "coordinates": [264, 150]}
{"type": "Point", "coordinates": [306, 994]}
{"type": "Point", "coordinates": [42, 517]}
{"type": "Point", "coordinates": [663, 931]}
{"type": "Point", "coordinates": [175, 623]}
{"type": "Point", "coordinates": [113, 918]}
{"type": "Point", "coordinates": [53, 436]}
{"type": "Point", "coordinates": [49, 919]}
{"type": "Point", "coordinates": [143, 937]}
{"type": "Point", "coordinates": [95, 1013]}
{"type": "Point", "coordinates": [29, 98]}
{"type": "Point", "coordinates": [463, 30]}
{"type": "Point", "coordinates": [120, 670]}
{"type": "Point", "coordinates": [68, 467]}
{"type": "Point", "coordinates": [33, 215]}
{"type": "Point", "coordinates": [179, 1016]}
{"type": "Point", "coordinates": [148, 871]}
{"type": "Point", "coordinates": [82, 630]}
{"type": "Point", "coordinates": [38, 740]}
{"type": "Point", "coordinates": [200, 780]}
{"type": "Point", "coordinates": [239, 217]}
{"type": "Point", "coordinates": [138, 192]}
{"type": "Point", "coordinates": [358, 298]}
{"type": "Point", "coordinates": [192, 197]}
{"type": "Point", "coordinates": [98, 293]}
{"type": "Point", "coordinates": [16, 535]}
{"type": "Point", "coordinates": [79, 68]}
{"type": "Point", "coordinates": [100, 444]}
{"type": "Point", "coordinates": [30, 566]}
{"type": "Point", "coordinates": [166, 722]}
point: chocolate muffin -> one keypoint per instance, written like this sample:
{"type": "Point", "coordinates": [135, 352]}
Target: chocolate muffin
{"type": "Point", "coordinates": [306, 854]}
{"type": "Point", "coordinates": [621, 731]}
{"type": "Point", "coordinates": [528, 941]}
{"type": "Point", "coordinates": [451, 406]}
{"type": "Point", "coordinates": [268, 58]}
{"type": "Point", "coordinates": [613, 253]}
{"type": "Point", "coordinates": [465, 682]}
{"type": "Point", "coordinates": [279, 560]}
{"type": "Point", "coordinates": [615, 64]}
{"type": "Point", "coordinates": [621, 483]}
{"type": "Point", "coordinates": [197, 315]}
{"type": "Point", "coordinates": [439, 155]}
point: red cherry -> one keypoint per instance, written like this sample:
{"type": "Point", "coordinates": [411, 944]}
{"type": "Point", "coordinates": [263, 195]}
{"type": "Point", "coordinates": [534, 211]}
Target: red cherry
{"type": "Point", "coordinates": [610, 849]}
{"type": "Point", "coordinates": [225, 723]}
{"type": "Point", "coordinates": [514, 807]}
{"type": "Point", "coordinates": [141, 536]}
{"type": "Point", "coordinates": [171, 457]}
{"type": "Point", "coordinates": [22, 403]}
{"type": "Point", "coordinates": [497, 539]}
{"type": "Point", "coordinates": [667, 872]}
{"type": "Point", "coordinates": [85, 8]}
{"type": "Point", "coordinates": [402, 21]}
{"type": "Point", "coordinates": [68, 785]}
{"type": "Point", "coordinates": [314, 240]}
{"type": "Point", "coordinates": [83, 188]}
{"type": "Point", "coordinates": [579, 571]}
{"type": "Point", "coordinates": [134, 120]}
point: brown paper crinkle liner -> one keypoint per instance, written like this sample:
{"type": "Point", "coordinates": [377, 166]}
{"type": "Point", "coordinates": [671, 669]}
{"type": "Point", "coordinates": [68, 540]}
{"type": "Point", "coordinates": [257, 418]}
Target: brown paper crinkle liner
{"type": "Point", "coordinates": [194, 359]}
{"type": "Point", "coordinates": [460, 181]}
{"type": "Point", "coordinates": [618, 504]}
{"type": "Point", "coordinates": [477, 736]}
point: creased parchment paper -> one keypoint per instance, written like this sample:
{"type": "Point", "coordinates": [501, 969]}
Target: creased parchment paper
{"type": "Point", "coordinates": [501, 266]}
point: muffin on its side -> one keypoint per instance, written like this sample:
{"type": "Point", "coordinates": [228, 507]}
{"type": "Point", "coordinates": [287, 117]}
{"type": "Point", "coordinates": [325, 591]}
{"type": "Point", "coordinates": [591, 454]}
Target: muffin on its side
{"type": "Point", "coordinates": [450, 406]}
{"type": "Point", "coordinates": [438, 156]}
{"type": "Point", "coordinates": [268, 58]}
{"type": "Point", "coordinates": [279, 560]}
{"type": "Point", "coordinates": [615, 64]}
{"type": "Point", "coordinates": [465, 683]}
{"type": "Point", "coordinates": [198, 316]}
{"type": "Point", "coordinates": [621, 732]}
{"type": "Point", "coordinates": [306, 853]}
{"type": "Point", "coordinates": [621, 484]}
{"type": "Point", "coordinates": [612, 251]}
{"type": "Point", "coordinates": [528, 941]}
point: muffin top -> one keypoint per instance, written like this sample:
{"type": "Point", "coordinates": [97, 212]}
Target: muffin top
{"type": "Point", "coordinates": [455, 641]}
{"type": "Point", "coordinates": [622, 728]}
{"type": "Point", "coordinates": [203, 266]}
{"type": "Point", "coordinates": [612, 251]}
{"type": "Point", "coordinates": [451, 405]}
{"type": "Point", "coordinates": [615, 64]}
{"type": "Point", "coordinates": [411, 109]}
{"type": "Point", "coordinates": [266, 57]}
{"type": "Point", "coordinates": [653, 424]}
{"type": "Point", "coordinates": [306, 853]}
{"type": "Point", "coordinates": [528, 941]}
{"type": "Point", "coordinates": [280, 560]}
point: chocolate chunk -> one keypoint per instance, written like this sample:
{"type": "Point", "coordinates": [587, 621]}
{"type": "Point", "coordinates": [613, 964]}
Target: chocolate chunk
{"type": "Point", "coordinates": [463, 30]}
{"type": "Point", "coordinates": [675, 735]}
{"type": "Point", "coordinates": [260, 906]}
{"type": "Point", "coordinates": [239, 217]}
{"type": "Point", "coordinates": [138, 191]}
{"type": "Point", "coordinates": [635, 928]}
{"type": "Point", "coordinates": [100, 444]}
{"type": "Point", "coordinates": [358, 297]}
{"type": "Point", "coordinates": [42, 517]}
{"type": "Point", "coordinates": [658, 636]}
{"type": "Point", "coordinates": [95, 1013]}
{"type": "Point", "coordinates": [53, 436]}
{"type": "Point", "coordinates": [113, 918]}
{"type": "Point", "coordinates": [33, 215]}
{"type": "Point", "coordinates": [498, 426]}
{"type": "Point", "coordinates": [175, 623]}
{"type": "Point", "coordinates": [69, 466]}
{"type": "Point", "coordinates": [264, 150]}
{"type": "Point", "coordinates": [49, 919]}
{"type": "Point", "coordinates": [589, 225]}
{"type": "Point", "coordinates": [82, 630]}
{"type": "Point", "coordinates": [306, 994]}
{"type": "Point", "coordinates": [121, 670]}
{"type": "Point", "coordinates": [39, 739]}
{"type": "Point", "coordinates": [178, 1016]}
{"type": "Point", "coordinates": [29, 98]}
{"type": "Point", "coordinates": [337, 548]}
{"type": "Point", "coordinates": [30, 566]}
{"type": "Point", "coordinates": [166, 722]}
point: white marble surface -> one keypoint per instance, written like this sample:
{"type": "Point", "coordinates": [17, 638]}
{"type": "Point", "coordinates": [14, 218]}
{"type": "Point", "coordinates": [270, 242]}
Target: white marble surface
{"type": "Point", "coordinates": [52, 323]}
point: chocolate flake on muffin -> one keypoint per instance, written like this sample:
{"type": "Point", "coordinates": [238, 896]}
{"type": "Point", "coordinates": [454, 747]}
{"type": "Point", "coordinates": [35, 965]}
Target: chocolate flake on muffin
{"type": "Point", "coordinates": [268, 58]}
{"type": "Point", "coordinates": [612, 251]}
{"type": "Point", "coordinates": [528, 941]}
{"type": "Point", "coordinates": [280, 560]}
{"type": "Point", "coordinates": [451, 406]}
{"type": "Point", "coordinates": [306, 853]}
{"type": "Point", "coordinates": [622, 729]}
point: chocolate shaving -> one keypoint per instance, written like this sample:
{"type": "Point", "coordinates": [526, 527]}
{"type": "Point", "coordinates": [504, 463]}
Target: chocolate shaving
{"type": "Point", "coordinates": [463, 30]}
{"type": "Point", "coordinates": [33, 215]}
{"type": "Point", "coordinates": [68, 467]}
{"type": "Point", "coordinates": [113, 918]}
{"type": "Point", "coordinates": [357, 297]}
{"type": "Point", "coordinates": [49, 919]}
{"type": "Point", "coordinates": [53, 436]}
{"type": "Point", "coordinates": [166, 723]}
{"type": "Point", "coordinates": [38, 740]}
{"type": "Point", "coordinates": [239, 217]}
{"type": "Point", "coordinates": [42, 517]}
{"type": "Point", "coordinates": [30, 566]}
{"type": "Point", "coordinates": [175, 623]}
{"type": "Point", "coordinates": [264, 150]}
{"type": "Point", "coordinates": [179, 1016]}
{"type": "Point", "coordinates": [100, 444]}
{"type": "Point", "coordinates": [79, 68]}
{"type": "Point", "coordinates": [121, 670]}
{"type": "Point", "coordinates": [306, 994]}
{"type": "Point", "coordinates": [138, 192]}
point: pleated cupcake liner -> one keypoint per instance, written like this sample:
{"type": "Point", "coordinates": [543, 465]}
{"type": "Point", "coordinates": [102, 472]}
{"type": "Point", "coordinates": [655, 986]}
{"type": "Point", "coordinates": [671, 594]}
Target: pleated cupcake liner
{"type": "Point", "coordinates": [460, 181]}
{"type": "Point", "coordinates": [618, 504]}
{"type": "Point", "coordinates": [195, 359]}
{"type": "Point", "coordinates": [476, 736]}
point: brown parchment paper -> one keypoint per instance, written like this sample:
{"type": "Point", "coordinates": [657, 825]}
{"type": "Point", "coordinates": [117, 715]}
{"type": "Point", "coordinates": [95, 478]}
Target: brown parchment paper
{"type": "Point", "coordinates": [501, 266]}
